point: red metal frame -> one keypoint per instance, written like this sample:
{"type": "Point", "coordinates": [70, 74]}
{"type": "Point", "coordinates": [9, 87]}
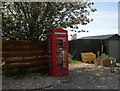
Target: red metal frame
{"type": "Point", "coordinates": [54, 35]}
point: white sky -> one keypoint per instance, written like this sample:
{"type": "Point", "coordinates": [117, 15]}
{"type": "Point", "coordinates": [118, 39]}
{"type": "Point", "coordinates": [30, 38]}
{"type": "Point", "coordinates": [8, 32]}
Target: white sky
{"type": "Point", "coordinates": [105, 20]}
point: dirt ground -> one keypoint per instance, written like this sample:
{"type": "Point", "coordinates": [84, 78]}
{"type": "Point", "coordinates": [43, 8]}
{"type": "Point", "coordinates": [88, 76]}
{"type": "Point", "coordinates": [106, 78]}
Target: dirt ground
{"type": "Point", "coordinates": [81, 76]}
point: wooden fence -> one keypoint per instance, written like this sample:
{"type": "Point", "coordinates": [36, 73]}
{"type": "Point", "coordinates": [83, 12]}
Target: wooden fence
{"type": "Point", "coordinates": [24, 54]}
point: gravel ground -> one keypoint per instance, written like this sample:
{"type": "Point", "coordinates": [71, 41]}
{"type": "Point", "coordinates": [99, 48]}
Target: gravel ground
{"type": "Point", "coordinates": [81, 76]}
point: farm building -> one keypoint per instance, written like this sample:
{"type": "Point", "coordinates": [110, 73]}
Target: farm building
{"type": "Point", "coordinates": [109, 44]}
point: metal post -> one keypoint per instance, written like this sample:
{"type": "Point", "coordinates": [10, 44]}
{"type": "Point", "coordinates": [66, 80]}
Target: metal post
{"type": "Point", "coordinates": [113, 64]}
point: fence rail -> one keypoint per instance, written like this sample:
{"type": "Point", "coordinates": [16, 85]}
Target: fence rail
{"type": "Point", "coordinates": [27, 54]}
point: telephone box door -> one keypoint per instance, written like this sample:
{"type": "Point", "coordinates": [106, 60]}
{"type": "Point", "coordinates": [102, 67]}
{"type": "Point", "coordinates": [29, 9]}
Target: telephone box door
{"type": "Point", "coordinates": [61, 56]}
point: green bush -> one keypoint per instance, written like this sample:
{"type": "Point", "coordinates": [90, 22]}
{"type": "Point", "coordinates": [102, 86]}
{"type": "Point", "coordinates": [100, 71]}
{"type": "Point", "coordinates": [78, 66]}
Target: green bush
{"type": "Point", "coordinates": [70, 59]}
{"type": "Point", "coordinates": [104, 56]}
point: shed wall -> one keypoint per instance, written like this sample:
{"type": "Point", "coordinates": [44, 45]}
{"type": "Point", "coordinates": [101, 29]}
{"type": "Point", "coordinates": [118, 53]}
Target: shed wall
{"type": "Point", "coordinates": [76, 47]}
{"type": "Point", "coordinates": [113, 48]}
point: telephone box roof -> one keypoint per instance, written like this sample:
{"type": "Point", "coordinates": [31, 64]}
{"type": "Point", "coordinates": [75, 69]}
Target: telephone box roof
{"type": "Point", "coordinates": [58, 30]}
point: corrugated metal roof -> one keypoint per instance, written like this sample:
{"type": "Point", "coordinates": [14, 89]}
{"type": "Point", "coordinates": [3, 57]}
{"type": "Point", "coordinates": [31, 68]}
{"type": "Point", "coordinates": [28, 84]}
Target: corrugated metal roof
{"type": "Point", "coordinates": [100, 36]}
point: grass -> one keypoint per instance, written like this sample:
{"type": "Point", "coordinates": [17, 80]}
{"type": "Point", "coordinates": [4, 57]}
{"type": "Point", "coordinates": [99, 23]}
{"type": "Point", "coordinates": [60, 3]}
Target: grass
{"type": "Point", "coordinates": [118, 67]}
{"type": "Point", "coordinates": [118, 64]}
{"type": "Point", "coordinates": [74, 61]}
{"type": "Point", "coordinates": [71, 61]}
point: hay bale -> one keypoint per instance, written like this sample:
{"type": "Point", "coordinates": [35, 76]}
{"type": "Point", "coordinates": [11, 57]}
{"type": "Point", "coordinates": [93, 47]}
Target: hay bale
{"type": "Point", "coordinates": [88, 57]}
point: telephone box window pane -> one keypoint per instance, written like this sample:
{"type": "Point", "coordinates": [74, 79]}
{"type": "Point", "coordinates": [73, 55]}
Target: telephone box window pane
{"type": "Point", "coordinates": [61, 55]}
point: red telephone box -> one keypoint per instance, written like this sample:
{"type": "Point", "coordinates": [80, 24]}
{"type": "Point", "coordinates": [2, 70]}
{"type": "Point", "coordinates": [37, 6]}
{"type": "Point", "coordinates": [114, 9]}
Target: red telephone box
{"type": "Point", "coordinates": [58, 52]}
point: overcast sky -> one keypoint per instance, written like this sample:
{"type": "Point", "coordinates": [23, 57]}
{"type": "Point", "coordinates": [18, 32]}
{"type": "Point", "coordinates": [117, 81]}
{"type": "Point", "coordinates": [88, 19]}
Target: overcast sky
{"type": "Point", "coordinates": [105, 19]}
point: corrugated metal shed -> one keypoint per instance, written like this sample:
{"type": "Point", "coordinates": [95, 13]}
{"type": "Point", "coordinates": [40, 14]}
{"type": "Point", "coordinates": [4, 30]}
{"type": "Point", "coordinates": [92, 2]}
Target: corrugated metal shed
{"type": "Point", "coordinates": [109, 44]}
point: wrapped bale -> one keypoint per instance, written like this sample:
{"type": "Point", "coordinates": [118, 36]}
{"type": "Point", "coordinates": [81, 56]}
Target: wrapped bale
{"type": "Point", "coordinates": [88, 57]}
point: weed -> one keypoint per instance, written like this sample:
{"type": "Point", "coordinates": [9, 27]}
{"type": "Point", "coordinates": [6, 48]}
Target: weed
{"type": "Point", "coordinates": [71, 61]}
